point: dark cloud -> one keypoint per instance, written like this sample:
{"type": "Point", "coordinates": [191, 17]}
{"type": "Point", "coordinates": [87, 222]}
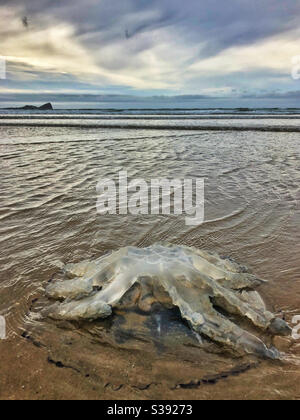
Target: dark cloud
{"type": "Point", "coordinates": [220, 24]}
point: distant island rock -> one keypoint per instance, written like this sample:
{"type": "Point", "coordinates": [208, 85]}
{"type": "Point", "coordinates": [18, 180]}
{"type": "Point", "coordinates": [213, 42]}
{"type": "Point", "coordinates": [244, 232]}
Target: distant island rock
{"type": "Point", "coordinates": [45, 107]}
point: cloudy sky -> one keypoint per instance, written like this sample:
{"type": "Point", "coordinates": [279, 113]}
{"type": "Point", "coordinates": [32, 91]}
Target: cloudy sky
{"type": "Point", "coordinates": [212, 48]}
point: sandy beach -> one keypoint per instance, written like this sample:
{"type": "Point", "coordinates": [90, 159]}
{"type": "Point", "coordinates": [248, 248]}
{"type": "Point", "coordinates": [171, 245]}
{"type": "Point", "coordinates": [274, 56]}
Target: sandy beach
{"type": "Point", "coordinates": [49, 218]}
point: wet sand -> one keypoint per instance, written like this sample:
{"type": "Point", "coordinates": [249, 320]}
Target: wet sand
{"type": "Point", "coordinates": [30, 372]}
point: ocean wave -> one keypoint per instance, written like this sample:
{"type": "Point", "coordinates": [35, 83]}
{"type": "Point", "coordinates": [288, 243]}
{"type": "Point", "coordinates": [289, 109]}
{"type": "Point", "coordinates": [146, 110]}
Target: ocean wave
{"type": "Point", "coordinates": [154, 109]}
{"type": "Point", "coordinates": [157, 117]}
{"type": "Point", "coordinates": [173, 127]}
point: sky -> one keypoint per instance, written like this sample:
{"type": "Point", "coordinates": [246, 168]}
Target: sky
{"type": "Point", "coordinates": [244, 50]}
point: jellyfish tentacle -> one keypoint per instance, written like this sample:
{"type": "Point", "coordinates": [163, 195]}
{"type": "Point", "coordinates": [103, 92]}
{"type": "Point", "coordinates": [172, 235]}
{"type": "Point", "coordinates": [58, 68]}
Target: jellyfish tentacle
{"type": "Point", "coordinates": [225, 332]}
{"type": "Point", "coordinates": [97, 306]}
{"type": "Point", "coordinates": [205, 320]}
{"type": "Point", "coordinates": [232, 303]}
{"type": "Point", "coordinates": [70, 289]}
{"type": "Point", "coordinates": [80, 287]}
{"type": "Point", "coordinates": [225, 264]}
{"type": "Point", "coordinates": [233, 280]}
{"type": "Point", "coordinates": [90, 308]}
